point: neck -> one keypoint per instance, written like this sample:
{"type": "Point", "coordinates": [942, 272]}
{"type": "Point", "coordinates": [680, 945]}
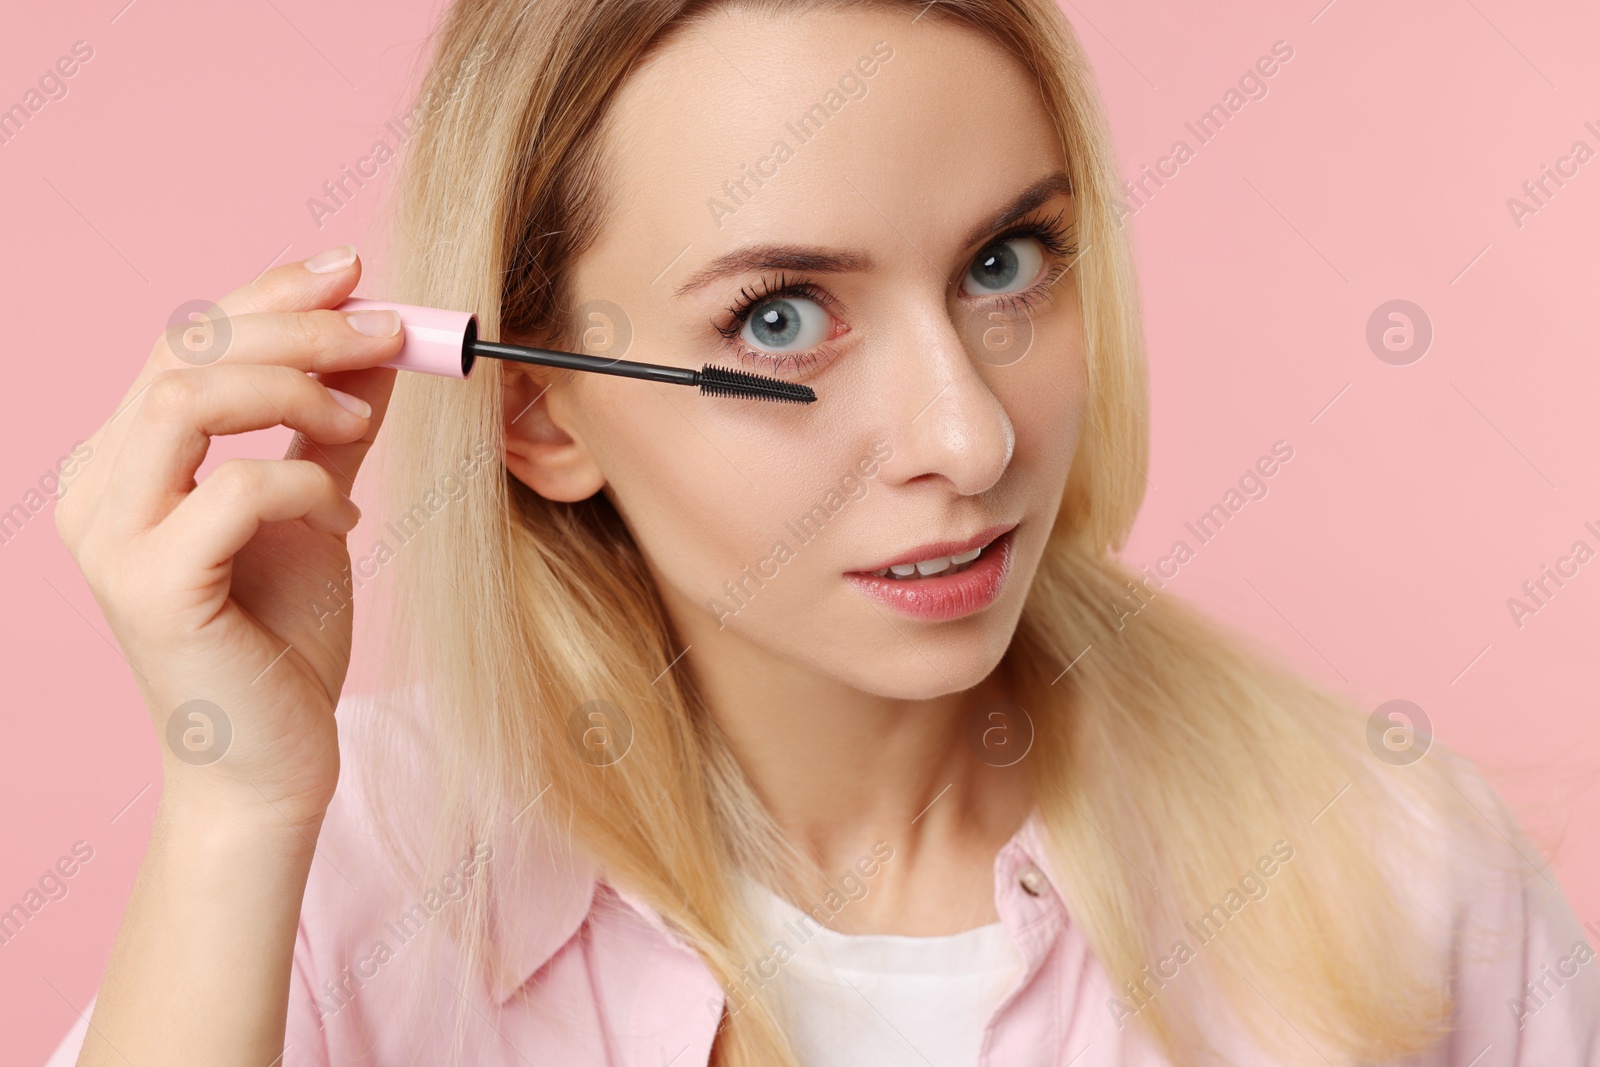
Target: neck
{"type": "Point", "coordinates": [845, 772]}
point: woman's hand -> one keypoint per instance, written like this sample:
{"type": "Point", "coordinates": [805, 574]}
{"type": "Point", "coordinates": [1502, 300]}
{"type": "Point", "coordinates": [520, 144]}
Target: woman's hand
{"type": "Point", "coordinates": [230, 597]}
{"type": "Point", "coordinates": [219, 596]}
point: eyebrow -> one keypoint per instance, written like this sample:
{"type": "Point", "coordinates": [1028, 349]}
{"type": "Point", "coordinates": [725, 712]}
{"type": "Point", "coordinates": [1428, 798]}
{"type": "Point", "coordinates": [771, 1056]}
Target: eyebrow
{"type": "Point", "coordinates": [813, 259]}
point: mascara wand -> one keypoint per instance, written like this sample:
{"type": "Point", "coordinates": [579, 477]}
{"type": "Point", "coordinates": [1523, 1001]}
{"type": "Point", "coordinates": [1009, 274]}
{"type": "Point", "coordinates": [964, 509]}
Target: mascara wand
{"type": "Point", "coordinates": [712, 380]}
{"type": "Point", "coordinates": [446, 343]}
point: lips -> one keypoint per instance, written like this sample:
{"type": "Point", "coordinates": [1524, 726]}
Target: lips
{"type": "Point", "coordinates": [938, 549]}
{"type": "Point", "coordinates": [950, 594]}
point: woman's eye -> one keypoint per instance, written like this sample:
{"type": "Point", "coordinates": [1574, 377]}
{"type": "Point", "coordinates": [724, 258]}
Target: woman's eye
{"type": "Point", "coordinates": [786, 324]}
{"type": "Point", "coordinates": [1006, 266]}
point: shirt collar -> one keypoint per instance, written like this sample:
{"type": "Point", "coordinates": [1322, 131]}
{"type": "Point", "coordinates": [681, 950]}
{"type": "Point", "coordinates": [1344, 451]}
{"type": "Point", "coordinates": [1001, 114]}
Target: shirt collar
{"type": "Point", "coordinates": [1026, 890]}
{"type": "Point", "coordinates": [542, 890]}
{"type": "Point", "coordinates": [1030, 845]}
{"type": "Point", "coordinates": [546, 889]}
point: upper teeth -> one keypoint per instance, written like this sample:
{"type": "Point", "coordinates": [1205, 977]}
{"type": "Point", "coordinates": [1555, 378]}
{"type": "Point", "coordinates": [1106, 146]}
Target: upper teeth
{"type": "Point", "coordinates": [937, 565]}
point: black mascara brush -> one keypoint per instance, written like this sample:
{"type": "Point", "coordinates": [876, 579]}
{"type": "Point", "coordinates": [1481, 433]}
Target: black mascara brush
{"type": "Point", "coordinates": [446, 343]}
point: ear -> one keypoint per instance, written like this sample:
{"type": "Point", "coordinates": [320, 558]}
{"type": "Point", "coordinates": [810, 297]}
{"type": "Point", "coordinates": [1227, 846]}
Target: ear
{"type": "Point", "coordinates": [541, 452]}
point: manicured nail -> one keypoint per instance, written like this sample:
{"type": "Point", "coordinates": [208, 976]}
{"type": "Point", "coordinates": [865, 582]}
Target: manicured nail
{"type": "Point", "coordinates": [352, 403]}
{"type": "Point", "coordinates": [384, 323]}
{"type": "Point", "coordinates": [331, 260]}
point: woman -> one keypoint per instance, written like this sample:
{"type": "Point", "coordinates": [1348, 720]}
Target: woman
{"type": "Point", "coordinates": [722, 731]}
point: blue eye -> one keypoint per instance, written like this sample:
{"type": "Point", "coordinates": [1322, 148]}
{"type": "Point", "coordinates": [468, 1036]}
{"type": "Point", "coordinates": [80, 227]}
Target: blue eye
{"type": "Point", "coordinates": [788, 323]}
{"type": "Point", "coordinates": [1012, 263]}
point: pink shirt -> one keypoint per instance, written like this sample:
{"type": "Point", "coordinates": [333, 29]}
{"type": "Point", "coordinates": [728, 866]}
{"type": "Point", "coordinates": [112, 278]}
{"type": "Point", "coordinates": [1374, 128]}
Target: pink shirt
{"type": "Point", "coordinates": [596, 977]}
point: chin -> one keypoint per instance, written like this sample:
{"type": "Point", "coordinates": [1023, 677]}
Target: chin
{"type": "Point", "coordinates": [928, 665]}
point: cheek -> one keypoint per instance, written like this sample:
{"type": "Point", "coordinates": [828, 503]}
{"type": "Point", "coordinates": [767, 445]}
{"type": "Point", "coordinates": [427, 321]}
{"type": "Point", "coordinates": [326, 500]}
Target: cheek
{"type": "Point", "coordinates": [1046, 395]}
{"type": "Point", "coordinates": [705, 491]}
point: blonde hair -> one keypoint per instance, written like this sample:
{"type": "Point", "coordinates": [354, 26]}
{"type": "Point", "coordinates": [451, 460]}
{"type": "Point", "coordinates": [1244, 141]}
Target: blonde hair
{"type": "Point", "coordinates": [1167, 759]}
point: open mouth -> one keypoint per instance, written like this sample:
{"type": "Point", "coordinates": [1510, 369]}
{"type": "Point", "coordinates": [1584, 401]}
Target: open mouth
{"type": "Point", "coordinates": [942, 587]}
{"type": "Point", "coordinates": [930, 568]}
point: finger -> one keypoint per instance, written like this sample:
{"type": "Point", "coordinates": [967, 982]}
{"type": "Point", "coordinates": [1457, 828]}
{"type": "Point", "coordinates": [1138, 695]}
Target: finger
{"type": "Point", "coordinates": [171, 431]}
{"type": "Point", "coordinates": [321, 281]}
{"type": "Point", "coordinates": [224, 512]}
{"type": "Point", "coordinates": [321, 339]}
{"type": "Point", "coordinates": [327, 342]}
{"type": "Point", "coordinates": [343, 459]}
{"type": "Point", "coordinates": [230, 329]}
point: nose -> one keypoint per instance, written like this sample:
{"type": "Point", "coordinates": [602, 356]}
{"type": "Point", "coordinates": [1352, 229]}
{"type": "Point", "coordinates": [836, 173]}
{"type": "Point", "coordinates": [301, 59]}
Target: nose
{"type": "Point", "coordinates": [944, 419]}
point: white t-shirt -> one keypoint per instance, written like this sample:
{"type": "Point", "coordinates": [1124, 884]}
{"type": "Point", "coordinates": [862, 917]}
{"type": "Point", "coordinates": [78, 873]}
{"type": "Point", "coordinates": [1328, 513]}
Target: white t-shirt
{"type": "Point", "coordinates": [886, 1000]}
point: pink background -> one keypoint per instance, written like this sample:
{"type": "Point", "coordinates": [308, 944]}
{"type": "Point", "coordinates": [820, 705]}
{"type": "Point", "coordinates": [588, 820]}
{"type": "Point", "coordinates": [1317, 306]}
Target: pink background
{"type": "Point", "coordinates": [1378, 167]}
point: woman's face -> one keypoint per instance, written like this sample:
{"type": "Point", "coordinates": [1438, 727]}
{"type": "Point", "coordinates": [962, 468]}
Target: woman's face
{"type": "Point", "coordinates": [873, 205]}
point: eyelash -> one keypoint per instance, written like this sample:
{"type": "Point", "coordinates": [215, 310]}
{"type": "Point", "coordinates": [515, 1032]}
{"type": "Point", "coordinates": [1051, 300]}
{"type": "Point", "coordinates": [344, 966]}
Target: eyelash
{"type": "Point", "coordinates": [1058, 238]}
{"type": "Point", "coordinates": [739, 312]}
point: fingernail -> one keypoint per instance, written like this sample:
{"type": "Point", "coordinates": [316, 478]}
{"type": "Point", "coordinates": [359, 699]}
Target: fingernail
{"type": "Point", "coordinates": [331, 260]}
{"type": "Point", "coordinates": [384, 323]}
{"type": "Point", "coordinates": [352, 403]}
